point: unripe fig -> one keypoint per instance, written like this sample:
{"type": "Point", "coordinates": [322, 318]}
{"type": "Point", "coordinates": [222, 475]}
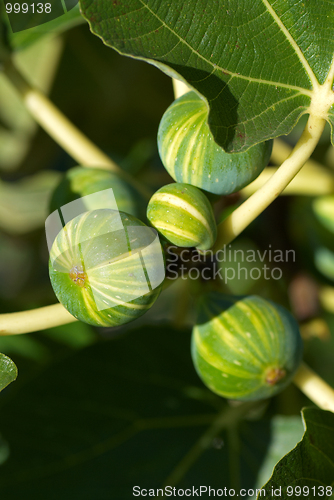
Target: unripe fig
{"type": "Point", "coordinates": [189, 153]}
{"type": "Point", "coordinates": [106, 267]}
{"type": "Point", "coordinates": [83, 181]}
{"type": "Point", "coordinates": [183, 215]}
{"type": "Point", "coordinates": [245, 348]}
{"type": "Point", "coordinates": [311, 227]}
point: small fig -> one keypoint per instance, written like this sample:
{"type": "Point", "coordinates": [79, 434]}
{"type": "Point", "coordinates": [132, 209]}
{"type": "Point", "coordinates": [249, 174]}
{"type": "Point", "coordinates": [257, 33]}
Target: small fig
{"type": "Point", "coordinates": [83, 181]}
{"type": "Point", "coordinates": [183, 215]}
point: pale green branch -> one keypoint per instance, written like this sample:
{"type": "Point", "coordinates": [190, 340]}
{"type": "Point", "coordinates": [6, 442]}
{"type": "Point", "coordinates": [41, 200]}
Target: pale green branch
{"type": "Point", "coordinates": [34, 320]}
{"type": "Point", "coordinates": [311, 181]}
{"type": "Point", "coordinates": [233, 225]}
{"type": "Point", "coordinates": [314, 387]}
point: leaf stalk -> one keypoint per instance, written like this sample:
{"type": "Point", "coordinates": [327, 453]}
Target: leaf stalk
{"type": "Point", "coordinates": [34, 320]}
{"type": "Point", "coordinates": [312, 180]}
{"type": "Point", "coordinates": [246, 213]}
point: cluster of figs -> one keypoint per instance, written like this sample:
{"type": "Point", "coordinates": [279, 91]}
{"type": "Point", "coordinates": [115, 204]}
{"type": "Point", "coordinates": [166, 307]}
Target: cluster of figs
{"type": "Point", "coordinates": [105, 264]}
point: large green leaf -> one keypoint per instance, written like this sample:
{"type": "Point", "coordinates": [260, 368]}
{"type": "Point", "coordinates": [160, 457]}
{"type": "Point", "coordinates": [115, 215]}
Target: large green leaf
{"type": "Point", "coordinates": [255, 62]}
{"type": "Point", "coordinates": [126, 412]}
{"type": "Point", "coordinates": [8, 371]}
{"type": "Point", "coordinates": [311, 463]}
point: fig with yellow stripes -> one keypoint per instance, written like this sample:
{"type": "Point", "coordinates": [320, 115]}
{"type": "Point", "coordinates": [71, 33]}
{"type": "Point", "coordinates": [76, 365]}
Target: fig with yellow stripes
{"type": "Point", "coordinates": [79, 182]}
{"type": "Point", "coordinates": [106, 267]}
{"type": "Point", "coordinates": [183, 215]}
{"type": "Point", "coordinates": [245, 348]}
{"type": "Point", "coordinates": [190, 154]}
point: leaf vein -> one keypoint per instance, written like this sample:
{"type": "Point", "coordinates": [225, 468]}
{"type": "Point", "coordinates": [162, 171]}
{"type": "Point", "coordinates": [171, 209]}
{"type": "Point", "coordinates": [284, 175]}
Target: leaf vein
{"type": "Point", "coordinates": [226, 71]}
{"type": "Point", "coordinates": [293, 43]}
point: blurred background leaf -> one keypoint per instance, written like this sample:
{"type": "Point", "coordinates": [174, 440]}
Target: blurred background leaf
{"type": "Point", "coordinates": [25, 35]}
{"type": "Point", "coordinates": [312, 237]}
{"type": "Point", "coordinates": [323, 207]}
{"type": "Point", "coordinates": [24, 204]}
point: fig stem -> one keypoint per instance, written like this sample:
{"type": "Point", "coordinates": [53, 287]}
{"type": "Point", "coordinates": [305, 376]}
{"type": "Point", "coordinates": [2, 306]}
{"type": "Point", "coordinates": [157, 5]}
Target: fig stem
{"type": "Point", "coordinates": [65, 133]}
{"type": "Point", "coordinates": [281, 151]}
{"type": "Point", "coordinates": [34, 320]}
{"type": "Point", "coordinates": [180, 88]}
{"type": "Point", "coordinates": [313, 180]}
{"type": "Point", "coordinates": [326, 297]}
{"type": "Point", "coordinates": [246, 213]}
{"type": "Point", "coordinates": [314, 387]}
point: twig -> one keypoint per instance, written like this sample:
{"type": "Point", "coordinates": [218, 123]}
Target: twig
{"type": "Point", "coordinates": [314, 387]}
{"type": "Point", "coordinates": [312, 180]}
{"type": "Point", "coordinates": [34, 320]}
{"type": "Point", "coordinates": [234, 224]}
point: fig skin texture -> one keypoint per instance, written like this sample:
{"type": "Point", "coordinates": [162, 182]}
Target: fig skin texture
{"type": "Point", "coordinates": [183, 215]}
{"type": "Point", "coordinates": [245, 348]}
{"type": "Point", "coordinates": [106, 277]}
{"type": "Point", "coordinates": [83, 181]}
{"type": "Point", "coordinates": [190, 154]}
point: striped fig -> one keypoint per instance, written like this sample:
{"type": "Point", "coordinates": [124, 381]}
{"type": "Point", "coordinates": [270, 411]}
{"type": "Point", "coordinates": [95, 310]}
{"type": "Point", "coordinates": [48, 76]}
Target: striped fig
{"type": "Point", "coordinates": [190, 154]}
{"type": "Point", "coordinates": [245, 348]}
{"type": "Point", "coordinates": [106, 267]}
{"type": "Point", "coordinates": [183, 215]}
